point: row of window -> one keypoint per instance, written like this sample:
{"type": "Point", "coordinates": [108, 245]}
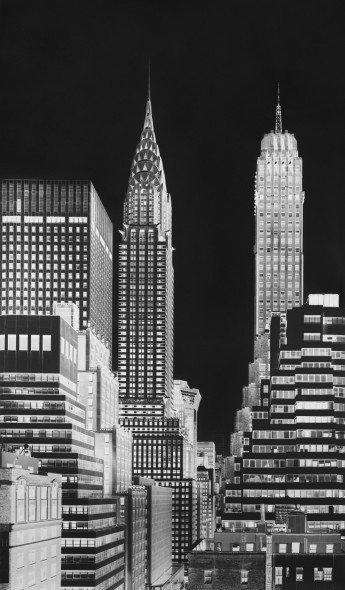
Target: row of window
{"type": "Point", "coordinates": [21, 342]}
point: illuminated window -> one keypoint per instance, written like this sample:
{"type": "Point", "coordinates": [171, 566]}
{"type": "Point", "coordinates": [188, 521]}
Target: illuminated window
{"type": "Point", "coordinates": [11, 341]}
{"type": "Point", "coordinates": [23, 342]}
{"type": "Point", "coordinates": [35, 342]}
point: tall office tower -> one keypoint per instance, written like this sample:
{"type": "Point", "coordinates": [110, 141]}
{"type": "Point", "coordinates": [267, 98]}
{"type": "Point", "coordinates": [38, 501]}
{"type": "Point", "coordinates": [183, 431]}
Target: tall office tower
{"type": "Point", "coordinates": [146, 281]}
{"type": "Point", "coordinates": [57, 245]}
{"type": "Point", "coordinates": [294, 455]}
{"type": "Point", "coordinates": [39, 406]}
{"type": "Point", "coordinates": [278, 247]}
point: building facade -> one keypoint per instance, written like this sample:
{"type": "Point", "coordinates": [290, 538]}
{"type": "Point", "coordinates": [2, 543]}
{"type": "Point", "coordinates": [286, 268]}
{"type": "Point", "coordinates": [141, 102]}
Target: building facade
{"type": "Point", "coordinates": [279, 199]}
{"type": "Point", "coordinates": [294, 454]}
{"type": "Point", "coordinates": [186, 406]}
{"type": "Point", "coordinates": [39, 407]}
{"type": "Point", "coordinates": [206, 502]}
{"type": "Point", "coordinates": [57, 246]}
{"type": "Point", "coordinates": [133, 515]}
{"type": "Point", "coordinates": [115, 448]}
{"type": "Point", "coordinates": [30, 525]}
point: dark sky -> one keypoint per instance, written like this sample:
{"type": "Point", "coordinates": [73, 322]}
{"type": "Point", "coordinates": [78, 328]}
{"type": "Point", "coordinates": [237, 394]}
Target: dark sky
{"type": "Point", "coordinates": [73, 83]}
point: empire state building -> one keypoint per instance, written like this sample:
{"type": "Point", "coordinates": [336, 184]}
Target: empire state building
{"type": "Point", "coordinates": [146, 283]}
{"type": "Point", "coordinates": [278, 247]}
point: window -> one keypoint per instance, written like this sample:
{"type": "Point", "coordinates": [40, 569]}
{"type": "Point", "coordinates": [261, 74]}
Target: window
{"type": "Point", "coordinates": [295, 548]}
{"type": "Point", "coordinates": [282, 547]}
{"type": "Point", "coordinates": [44, 503]}
{"type": "Point", "coordinates": [207, 576]}
{"type": "Point", "coordinates": [11, 341]}
{"type": "Point", "coordinates": [312, 548]}
{"type": "Point", "coordinates": [23, 342]}
{"type": "Point", "coordinates": [329, 548]}
{"type": "Point", "coordinates": [32, 503]}
{"type": "Point", "coordinates": [278, 575]}
{"type": "Point", "coordinates": [318, 574]}
{"type": "Point", "coordinates": [47, 344]}
{"type": "Point", "coordinates": [299, 574]}
{"type": "Point", "coordinates": [312, 336]}
{"type": "Point", "coordinates": [54, 511]}
{"type": "Point", "coordinates": [327, 574]}
{"type": "Point", "coordinates": [244, 576]}
{"type": "Point", "coordinates": [2, 341]}
{"type": "Point", "coordinates": [312, 319]}
{"type": "Point", "coordinates": [249, 546]}
{"type": "Point", "coordinates": [35, 342]}
{"type": "Point", "coordinates": [21, 487]}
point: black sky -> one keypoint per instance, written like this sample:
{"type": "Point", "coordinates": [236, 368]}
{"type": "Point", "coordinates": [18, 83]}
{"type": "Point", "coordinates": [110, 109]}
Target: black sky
{"type": "Point", "coordinates": [73, 83]}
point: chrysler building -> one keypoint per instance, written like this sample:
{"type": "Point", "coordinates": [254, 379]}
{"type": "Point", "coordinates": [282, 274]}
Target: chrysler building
{"type": "Point", "coordinates": [278, 247]}
{"type": "Point", "coordinates": [146, 282]}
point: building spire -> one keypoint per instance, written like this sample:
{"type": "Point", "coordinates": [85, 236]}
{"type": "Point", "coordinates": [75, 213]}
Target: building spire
{"type": "Point", "coordinates": [279, 122]}
{"type": "Point", "coordinates": [148, 116]}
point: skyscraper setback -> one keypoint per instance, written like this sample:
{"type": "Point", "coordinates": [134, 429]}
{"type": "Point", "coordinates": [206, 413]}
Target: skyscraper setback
{"type": "Point", "coordinates": [278, 247]}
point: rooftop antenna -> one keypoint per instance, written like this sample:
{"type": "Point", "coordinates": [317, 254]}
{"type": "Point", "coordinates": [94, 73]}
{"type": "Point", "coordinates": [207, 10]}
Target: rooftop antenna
{"type": "Point", "coordinates": [279, 123]}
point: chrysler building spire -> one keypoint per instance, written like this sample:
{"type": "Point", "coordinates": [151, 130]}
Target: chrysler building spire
{"type": "Point", "coordinates": [279, 122]}
{"type": "Point", "coordinates": [148, 116]}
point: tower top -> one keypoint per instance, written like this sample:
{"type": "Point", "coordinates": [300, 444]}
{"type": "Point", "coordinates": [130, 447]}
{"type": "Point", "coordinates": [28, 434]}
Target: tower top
{"type": "Point", "coordinates": [279, 123]}
{"type": "Point", "coordinates": [148, 123]}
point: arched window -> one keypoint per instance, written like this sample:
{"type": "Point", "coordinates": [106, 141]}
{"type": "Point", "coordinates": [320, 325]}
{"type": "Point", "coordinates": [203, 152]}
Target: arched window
{"type": "Point", "coordinates": [21, 500]}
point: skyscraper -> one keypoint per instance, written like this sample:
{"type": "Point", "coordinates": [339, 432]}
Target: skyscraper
{"type": "Point", "coordinates": [162, 445]}
{"type": "Point", "coordinates": [57, 243]}
{"type": "Point", "coordinates": [278, 247]}
{"type": "Point", "coordinates": [146, 281]}
{"type": "Point", "coordinates": [294, 455]}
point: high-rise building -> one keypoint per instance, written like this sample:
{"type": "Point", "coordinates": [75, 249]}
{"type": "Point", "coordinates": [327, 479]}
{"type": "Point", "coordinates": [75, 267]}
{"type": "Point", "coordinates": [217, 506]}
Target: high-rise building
{"type": "Point", "coordinates": [146, 281]}
{"type": "Point", "coordinates": [163, 446]}
{"type": "Point", "coordinates": [115, 448]}
{"type": "Point", "coordinates": [133, 515]}
{"type": "Point", "coordinates": [39, 406]}
{"type": "Point", "coordinates": [186, 405]}
{"type": "Point", "coordinates": [293, 457]}
{"type": "Point", "coordinates": [206, 502]}
{"type": "Point", "coordinates": [278, 247]}
{"type": "Point", "coordinates": [57, 246]}
{"type": "Point", "coordinates": [30, 525]}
